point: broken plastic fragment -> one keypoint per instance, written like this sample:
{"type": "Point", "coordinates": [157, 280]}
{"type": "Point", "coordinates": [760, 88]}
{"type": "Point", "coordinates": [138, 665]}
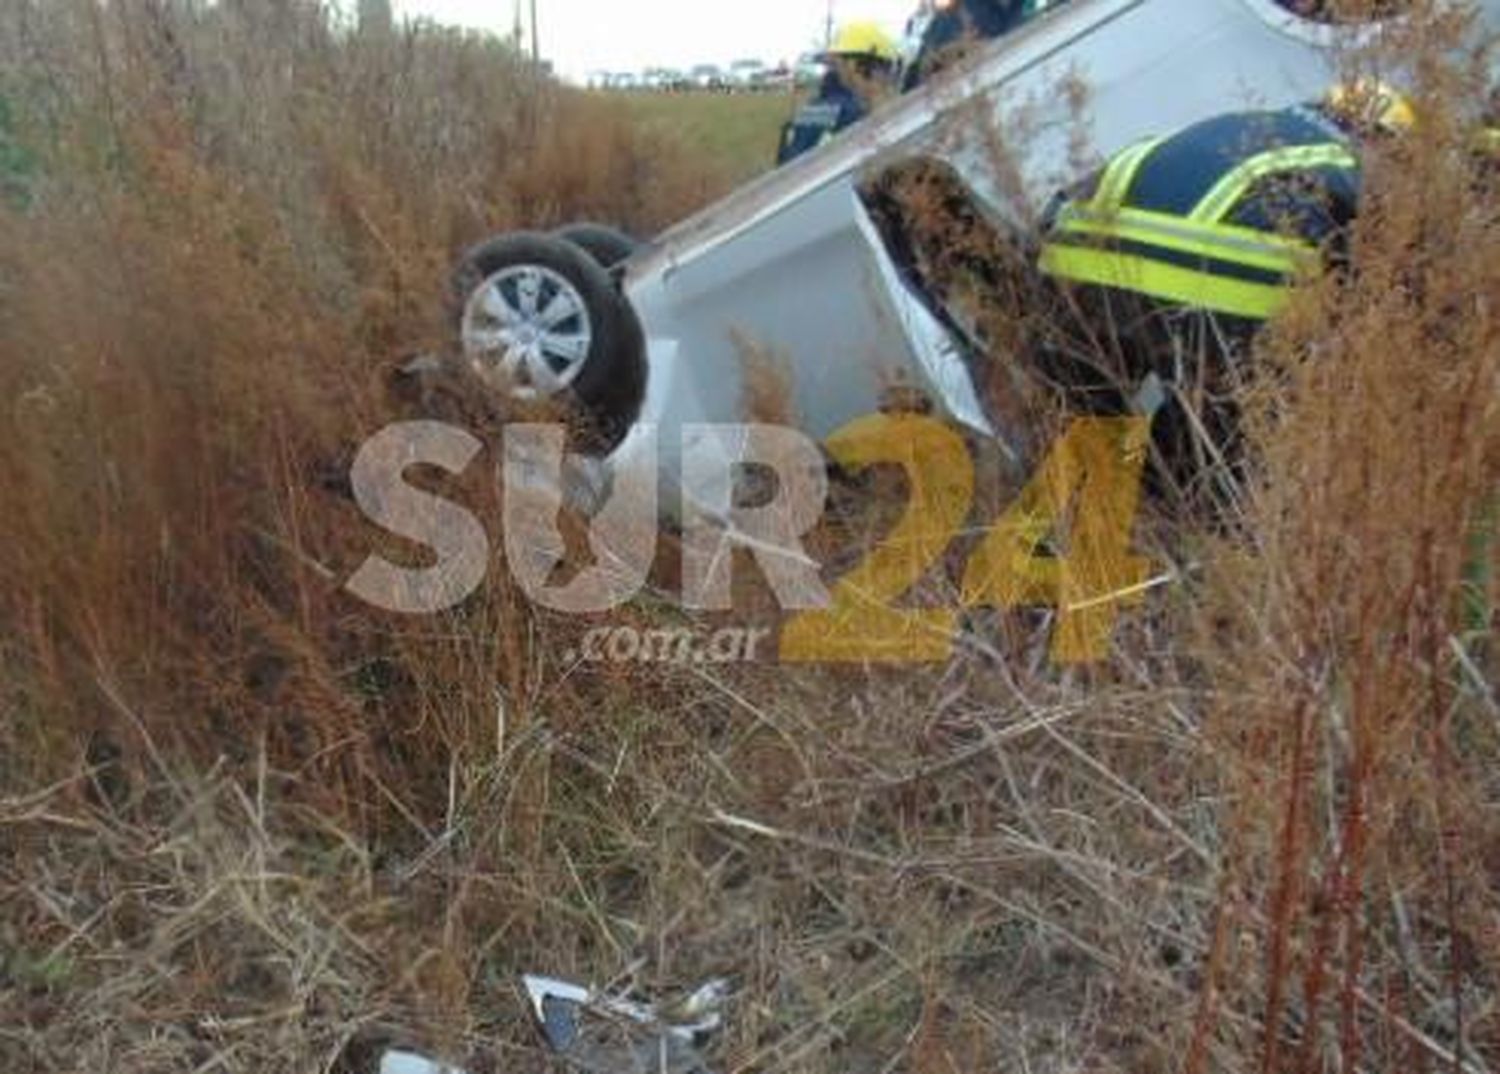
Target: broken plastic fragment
{"type": "Point", "coordinates": [409, 1063]}
{"type": "Point", "coordinates": [1152, 396]}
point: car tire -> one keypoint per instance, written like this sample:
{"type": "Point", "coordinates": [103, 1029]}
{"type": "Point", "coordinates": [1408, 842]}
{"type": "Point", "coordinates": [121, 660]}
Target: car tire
{"type": "Point", "coordinates": [540, 317]}
{"type": "Point", "coordinates": [609, 246]}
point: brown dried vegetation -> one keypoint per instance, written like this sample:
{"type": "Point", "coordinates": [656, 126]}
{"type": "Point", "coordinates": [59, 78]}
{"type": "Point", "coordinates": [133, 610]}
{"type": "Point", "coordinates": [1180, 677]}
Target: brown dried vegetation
{"type": "Point", "coordinates": [247, 823]}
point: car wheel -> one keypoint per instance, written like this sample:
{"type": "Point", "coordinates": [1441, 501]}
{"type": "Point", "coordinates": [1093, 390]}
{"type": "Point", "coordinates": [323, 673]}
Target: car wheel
{"type": "Point", "coordinates": [606, 245]}
{"type": "Point", "coordinates": [541, 319]}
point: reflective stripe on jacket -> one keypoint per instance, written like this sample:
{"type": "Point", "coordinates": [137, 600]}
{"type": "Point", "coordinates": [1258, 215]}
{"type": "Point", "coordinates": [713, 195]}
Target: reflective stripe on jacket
{"type": "Point", "coordinates": [1221, 216]}
{"type": "Point", "coordinates": [835, 107]}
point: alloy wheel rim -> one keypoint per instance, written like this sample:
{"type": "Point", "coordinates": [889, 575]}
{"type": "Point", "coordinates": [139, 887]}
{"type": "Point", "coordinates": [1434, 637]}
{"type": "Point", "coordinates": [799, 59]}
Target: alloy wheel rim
{"type": "Point", "coordinates": [532, 326]}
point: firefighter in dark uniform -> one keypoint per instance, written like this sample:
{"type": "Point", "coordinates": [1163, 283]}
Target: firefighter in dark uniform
{"type": "Point", "coordinates": [862, 66]}
{"type": "Point", "coordinates": [950, 23]}
{"type": "Point", "coordinates": [1179, 250]}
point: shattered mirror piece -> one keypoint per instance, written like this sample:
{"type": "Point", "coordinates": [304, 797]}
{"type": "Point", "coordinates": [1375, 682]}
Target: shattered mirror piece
{"type": "Point", "coordinates": [614, 1035]}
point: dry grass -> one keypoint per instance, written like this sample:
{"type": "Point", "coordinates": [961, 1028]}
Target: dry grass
{"type": "Point", "coordinates": [246, 822]}
{"type": "Point", "coordinates": [1355, 703]}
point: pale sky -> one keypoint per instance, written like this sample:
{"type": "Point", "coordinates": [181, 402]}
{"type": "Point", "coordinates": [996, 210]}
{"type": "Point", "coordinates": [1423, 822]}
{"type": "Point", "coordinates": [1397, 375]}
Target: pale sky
{"type": "Point", "coordinates": [580, 36]}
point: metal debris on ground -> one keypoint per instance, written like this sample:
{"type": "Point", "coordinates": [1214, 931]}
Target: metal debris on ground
{"type": "Point", "coordinates": [614, 1035]}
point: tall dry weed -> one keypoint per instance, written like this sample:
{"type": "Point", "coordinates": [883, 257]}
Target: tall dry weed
{"type": "Point", "coordinates": [245, 823]}
{"type": "Point", "coordinates": [239, 222]}
{"type": "Point", "coordinates": [1353, 701]}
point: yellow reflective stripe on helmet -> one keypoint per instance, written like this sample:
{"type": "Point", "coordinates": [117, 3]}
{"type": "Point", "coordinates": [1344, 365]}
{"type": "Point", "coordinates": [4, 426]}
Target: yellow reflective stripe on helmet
{"type": "Point", "coordinates": [1274, 253]}
{"type": "Point", "coordinates": [1227, 192]}
{"type": "Point", "coordinates": [1238, 234]}
{"type": "Point", "coordinates": [1235, 235]}
{"type": "Point", "coordinates": [1119, 174]}
{"type": "Point", "coordinates": [1200, 290]}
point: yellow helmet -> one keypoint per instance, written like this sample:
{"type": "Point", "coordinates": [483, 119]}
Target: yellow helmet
{"type": "Point", "coordinates": [864, 39]}
{"type": "Point", "coordinates": [1371, 105]}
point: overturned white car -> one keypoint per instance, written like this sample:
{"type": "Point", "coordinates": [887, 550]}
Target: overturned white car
{"type": "Point", "coordinates": [803, 265]}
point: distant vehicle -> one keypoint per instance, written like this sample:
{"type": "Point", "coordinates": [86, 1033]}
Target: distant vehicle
{"type": "Point", "coordinates": [777, 79]}
{"type": "Point", "coordinates": [707, 76]}
{"type": "Point", "coordinates": [745, 74]}
{"type": "Point", "coordinates": [810, 69]}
